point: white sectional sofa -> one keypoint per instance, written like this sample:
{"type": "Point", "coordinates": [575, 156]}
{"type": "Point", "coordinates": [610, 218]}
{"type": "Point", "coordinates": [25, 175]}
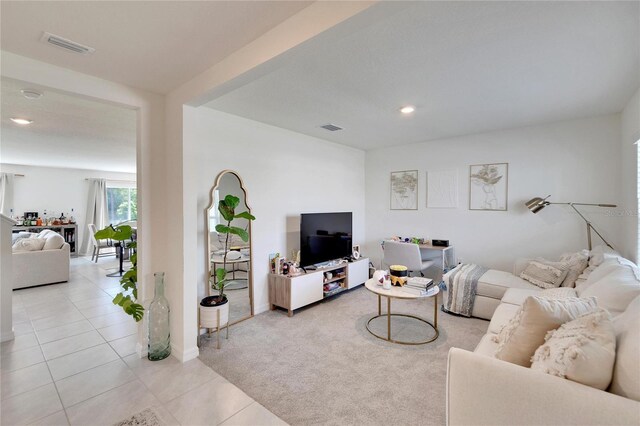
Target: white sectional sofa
{"type": "Point", "coordinates": [483, 390]}
{"type": "Point", "coordinates": [44, 266]}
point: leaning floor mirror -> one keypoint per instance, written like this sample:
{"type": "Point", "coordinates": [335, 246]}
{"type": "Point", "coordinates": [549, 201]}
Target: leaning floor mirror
{"type": "Point", "coordinates": [238, 259]}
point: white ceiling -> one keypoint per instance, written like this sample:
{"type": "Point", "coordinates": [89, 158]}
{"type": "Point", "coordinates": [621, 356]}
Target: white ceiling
{"type": "Point", "coordinates": [152, 45]}
{"type": "Point", "coordinates": [469, 67]}
{"type": "Point", "coordinates": [67, 131]}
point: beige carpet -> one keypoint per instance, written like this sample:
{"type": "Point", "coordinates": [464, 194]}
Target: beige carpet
{"type": "Point", "coordinates": [322, 366]}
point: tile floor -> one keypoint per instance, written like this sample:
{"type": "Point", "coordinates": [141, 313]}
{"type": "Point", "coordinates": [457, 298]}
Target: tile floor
{"type": "Point", "coordinates": [73, 361]}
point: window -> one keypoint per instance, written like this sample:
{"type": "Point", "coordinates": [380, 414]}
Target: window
{"type": "Point", "coordinates": [122, 204]}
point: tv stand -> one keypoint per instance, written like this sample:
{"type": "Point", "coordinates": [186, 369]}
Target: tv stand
{"type": "Point", "coordinates": [295, 291]}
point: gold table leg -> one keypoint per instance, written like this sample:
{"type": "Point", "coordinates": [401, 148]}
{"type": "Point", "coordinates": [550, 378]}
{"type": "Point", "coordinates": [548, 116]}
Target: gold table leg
{"type": "Point", "coordinates": [435, 312]}
{"type": "Point", "coordinates": [379, 305]}
{"type": "Point", "coordinates": [389, 318]}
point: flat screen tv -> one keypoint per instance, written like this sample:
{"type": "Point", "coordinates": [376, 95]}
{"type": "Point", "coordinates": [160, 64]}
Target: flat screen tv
{"type": "Point", "coordinates": [325, 237]}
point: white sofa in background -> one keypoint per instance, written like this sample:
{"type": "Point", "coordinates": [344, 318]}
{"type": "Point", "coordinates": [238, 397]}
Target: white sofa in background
{"type": "Point", "coordinates": [482, 389]}
{"type": "Point", "coordinates": [46, 266]}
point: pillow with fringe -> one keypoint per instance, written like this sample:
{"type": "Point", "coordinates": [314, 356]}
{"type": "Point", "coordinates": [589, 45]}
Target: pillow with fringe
{"type": "Point", "coordinates": [577, 263]}
{"type": "Point", "coordinates": [525, 332]}
{"type": "Point", "coordinates": [545, 274]}
{"type": "Point", "coordinates": [582, 350]}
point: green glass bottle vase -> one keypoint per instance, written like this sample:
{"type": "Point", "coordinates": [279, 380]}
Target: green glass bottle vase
{"type": "Point", "coordinates": [159, 344]}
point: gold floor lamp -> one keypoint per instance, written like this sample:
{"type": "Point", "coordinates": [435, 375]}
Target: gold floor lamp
{"type": "Point", "coordinates": [536, 204]}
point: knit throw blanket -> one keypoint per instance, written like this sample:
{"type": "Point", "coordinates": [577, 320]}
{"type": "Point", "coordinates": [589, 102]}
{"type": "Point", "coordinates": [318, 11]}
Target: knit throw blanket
{"type": "Point", "coordinates": [461, 292]}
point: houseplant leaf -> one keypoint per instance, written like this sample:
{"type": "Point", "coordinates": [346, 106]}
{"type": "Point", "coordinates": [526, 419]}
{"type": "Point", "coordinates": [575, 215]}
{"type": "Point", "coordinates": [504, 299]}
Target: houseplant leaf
{"type": "Point", "coordinates": [245, 215]}
{"type": "Point", "coordinates": [239, 232]}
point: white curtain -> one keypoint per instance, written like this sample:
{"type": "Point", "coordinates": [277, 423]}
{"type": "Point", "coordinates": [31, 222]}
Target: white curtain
{"type": "Point", "coordinates": [6, 193]}
{"type": "Point", "coordinates": [96, 210]}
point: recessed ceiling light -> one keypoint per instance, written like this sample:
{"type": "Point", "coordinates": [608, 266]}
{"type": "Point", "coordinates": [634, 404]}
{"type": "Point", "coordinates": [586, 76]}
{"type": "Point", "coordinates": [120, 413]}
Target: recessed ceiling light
{"type": "Point", "coordinates": [22, 121]}
{"type": "Point", "coordinates": [31, 94]}
{"type": "Point", "coordinates": [407, 109]}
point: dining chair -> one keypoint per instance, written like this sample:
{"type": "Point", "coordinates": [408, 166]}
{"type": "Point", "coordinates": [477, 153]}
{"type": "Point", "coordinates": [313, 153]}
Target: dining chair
{"type": "Point", "coordinates": [407, 254]}
{"type": "Point", "coordinates": [98, 244]}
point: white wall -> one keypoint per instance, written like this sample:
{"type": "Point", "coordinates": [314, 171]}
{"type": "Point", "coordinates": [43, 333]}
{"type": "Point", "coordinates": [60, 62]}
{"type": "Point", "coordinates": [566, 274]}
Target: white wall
{"type": "Point", "coordinates": [285, 174]}
{"type": "Point", "coordinates": [56, 190]}
{"type": "Point", "coordinates": [573, 161]}
{"type": "Point", "coordinates": [629, 171]}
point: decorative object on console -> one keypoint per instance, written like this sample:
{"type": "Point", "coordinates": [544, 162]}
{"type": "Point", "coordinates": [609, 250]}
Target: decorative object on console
{"type": "Point", "coordinates": [404, 190]}
{"type": "Point", "coordinates": [440, 243]}
{"type": "Point", "coordinates": [488, 186]}
{"type": "Point", "coordinates": [159, 336]}
{"type": "Point", "coordinates": [355, 253]}
{"type": "Point", "coordinates": [442, 189]}
{"type": "Point", "coordinates": [536, 204]}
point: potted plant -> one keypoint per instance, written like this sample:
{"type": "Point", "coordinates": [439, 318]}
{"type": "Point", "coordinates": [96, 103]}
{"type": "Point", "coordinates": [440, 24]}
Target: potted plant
{"type": "Point", "coordinates": [214, 310]}
{"type": "Point", "coordinates": [128, 297]}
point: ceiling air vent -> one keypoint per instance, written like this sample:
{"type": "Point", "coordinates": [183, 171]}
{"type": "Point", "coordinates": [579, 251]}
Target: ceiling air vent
{"type": "Point", "coordinates": [66, 44]}
{"type": "Point", "coordinates": [331, 127]}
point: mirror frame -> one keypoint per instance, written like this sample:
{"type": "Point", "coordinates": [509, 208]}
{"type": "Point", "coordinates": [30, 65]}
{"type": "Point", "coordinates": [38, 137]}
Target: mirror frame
{"type": "Point", "coordinates": [207, 210]}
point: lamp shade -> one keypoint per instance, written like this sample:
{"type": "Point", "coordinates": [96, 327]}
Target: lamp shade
{"type": "Point", "coordinates": [536, 204]}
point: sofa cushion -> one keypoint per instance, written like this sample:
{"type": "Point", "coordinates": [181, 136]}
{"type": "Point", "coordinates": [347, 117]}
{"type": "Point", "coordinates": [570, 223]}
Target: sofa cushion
{"type": "Point", "coordinates": [495, 283]}
{"type": "Point", "coordinates": [53, 241]}
{"type": "Point", "coordinates": [517, 296]}
{"type": "Point", "coordinates": [617, 288]}
{"type": "Point", "coordinates": [544, 273]}
{"type": "Point", "coordinates": [501, 317]}
{"type": "Point", "coordinates": [626, 371]}
{"type": "Point", "coordinates": [487, 346]}
{"type": "Point", "coordinates": [525, 332]}
{"type": "Point", "coordinates": [28, 244]}
{"type": "Point", "coordinates": [582, 350]}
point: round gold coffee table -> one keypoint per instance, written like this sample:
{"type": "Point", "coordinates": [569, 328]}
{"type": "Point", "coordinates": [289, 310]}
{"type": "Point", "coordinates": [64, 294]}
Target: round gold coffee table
{"type": "Point", "coordinates": [398, 293]}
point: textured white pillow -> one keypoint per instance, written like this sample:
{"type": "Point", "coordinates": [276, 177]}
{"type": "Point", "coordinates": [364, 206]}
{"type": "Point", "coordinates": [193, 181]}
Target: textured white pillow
{"type": "Point", "coordinates": [53, 241]}
{"type": "Point", "coordinates": [627, 367]}
{"type": "Point", "coordinates": [557, 293]}
{"type": "Point", "coordinates": [28, 244]}
{"type": "Point", "coordinates": [582, 350]}
{"type": "Point", "coordinates": [577, 263]}
{"type": "Point", "coordinates": [545, 274]}
{"type": "Point", "coordinates": [525, 332]}
{"type": "Point", "coordinates": [617, 288]}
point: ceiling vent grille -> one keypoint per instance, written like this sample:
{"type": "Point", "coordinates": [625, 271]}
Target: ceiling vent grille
{"type": "Point", "coordinates": [331, 127]}
{"type": "Point", "coordinates": [66, 44]}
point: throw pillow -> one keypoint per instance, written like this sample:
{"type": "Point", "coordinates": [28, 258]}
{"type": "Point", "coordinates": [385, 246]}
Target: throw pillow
{"type": "Point", "coordinates": [519, 339]}
{"type": "Point", "coordinates": [582, 350]}
{"type": "Point", "coordinates": [545, 274]}
{"type": "Point", "coordinates": [53, 241]}
{"type": "Point", "coordinates": [557, 293]}
{"type": "Point", "coordinates": [577, 263]}
{"type": "Point", "coordinates": [617, 288]}
{"type": "Point", "coordinates": [28, 244]}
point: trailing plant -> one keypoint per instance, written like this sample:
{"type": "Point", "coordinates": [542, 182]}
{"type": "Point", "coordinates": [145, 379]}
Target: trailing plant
{"type": "Point", "coordinates": [227, 208]}
{"type": "Point", "coordinates": [127, 298]}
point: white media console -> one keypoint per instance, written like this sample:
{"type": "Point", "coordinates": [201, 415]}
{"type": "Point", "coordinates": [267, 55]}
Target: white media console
{"type": "Point", "coordinates": [295, 291]}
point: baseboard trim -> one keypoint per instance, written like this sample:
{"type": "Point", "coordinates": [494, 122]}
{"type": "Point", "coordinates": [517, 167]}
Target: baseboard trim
{"type": "Point", "coordinates": [186, 355]}
{"type": "Point", "coordinates": [7, 336]}
{"type": "Point", "coordinates": [262, 308]}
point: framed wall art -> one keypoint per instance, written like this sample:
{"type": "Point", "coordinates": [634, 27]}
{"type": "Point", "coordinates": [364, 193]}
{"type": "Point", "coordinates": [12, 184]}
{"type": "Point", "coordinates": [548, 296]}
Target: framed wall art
{"type": "Point", "coordinates": [442, 189]}
{"type": "Point", "coordinates": [488, 186]}
{"type": "Point", "coordinates": [404, 190]}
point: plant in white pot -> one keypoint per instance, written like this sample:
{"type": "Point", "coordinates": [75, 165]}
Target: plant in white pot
{"type": "Point", "coordinates": [214, 310]}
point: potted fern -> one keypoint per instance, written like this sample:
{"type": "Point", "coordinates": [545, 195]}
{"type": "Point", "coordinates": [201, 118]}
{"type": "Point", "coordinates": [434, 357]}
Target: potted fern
{"type": "Point", "coordinates": [214, 310]}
